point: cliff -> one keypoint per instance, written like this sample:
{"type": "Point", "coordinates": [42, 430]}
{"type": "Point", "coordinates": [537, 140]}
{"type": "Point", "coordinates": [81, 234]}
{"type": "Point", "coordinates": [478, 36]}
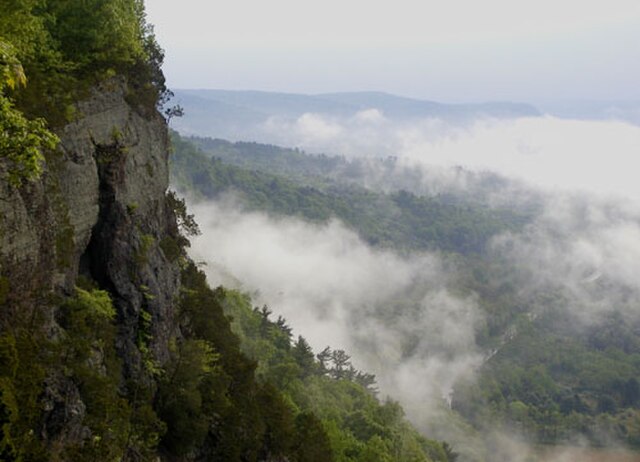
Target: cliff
{"type": "Point", "coordinates": [99, 212]}
{"type": "Point", "coordinates": [112, 345]}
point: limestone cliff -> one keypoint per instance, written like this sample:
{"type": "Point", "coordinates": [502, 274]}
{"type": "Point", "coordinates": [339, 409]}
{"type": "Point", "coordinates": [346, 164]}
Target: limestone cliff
{"type": "Point", "coordinates": [100, 211]}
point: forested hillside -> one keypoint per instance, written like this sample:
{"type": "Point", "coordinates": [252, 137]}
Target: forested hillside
{"type": "Point", "coordinates": [291, 183]}
{"type": "Point", "coordinates": [553, 370]}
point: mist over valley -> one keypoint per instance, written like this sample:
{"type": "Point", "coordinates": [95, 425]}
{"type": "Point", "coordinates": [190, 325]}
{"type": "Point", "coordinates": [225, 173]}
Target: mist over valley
{"type": "Point", "coordinates": [468, 254]}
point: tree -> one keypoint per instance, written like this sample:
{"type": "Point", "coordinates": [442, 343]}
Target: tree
{"type": "Point", "coordinates": [311, 442]}
{"type": "Point", "coordinates": [173, 111]}
{"type": "Point", "coordinates": [21, 140]}
{"type": "Point", "coordinates": [304, 357]}
{"type": "Point", "coordinates": [181, 397]}
{"type": "Point", "coordinates": [265, 322]}
{"type": "Point", "coordinates": [376, 450]}
{"type": "Point", "coordinates": [97, 35]}
{"type": "Point", "coordinates": [279, 426]}
{"type": "Point", "coordinates": [366, 380]}
{"type": "Point", "coordinates": [323, 358]}
{"type": "Point", "coordinates": [452, 456]}
{"type": "Point", "coordinates": [341, 364]}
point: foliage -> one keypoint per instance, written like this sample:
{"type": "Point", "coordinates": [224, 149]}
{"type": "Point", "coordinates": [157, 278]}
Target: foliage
{"type": "Point", "coordinates": [186, 222]}
{"type": "Point", "coordinates": [21, 140]}
{"type": "Point", "coordinates": [292, 163]}
{"type": "Point", "coordinates": [312, 442]}
{"type": "Point", "coordinates": [21, 143]}
{"type": "Point", "coordinates": [22, 376]}
{"type": "Point", "coordinates": [171, 248]}
{"type": "Point", "coordinates": [82, 357]}
{"type": "Point", "coordinates": [142, 254]}
{"type": "Point", "coordinates": [11, 70]}
{"type": "Point", "coordinates": [552, 386]}
{"type": "Point", "coordinates": [188, 383]}
{"type": "Point", "coordinates": [327, 391]}
{"type": "Point", "coordinates": [67, 46]}
{"type": "Point", "coordinates": [88, 350]}
{"type": "Point", "coordinates": [233, 416]}
{"type": "Point", "coordinates": [20, 26]}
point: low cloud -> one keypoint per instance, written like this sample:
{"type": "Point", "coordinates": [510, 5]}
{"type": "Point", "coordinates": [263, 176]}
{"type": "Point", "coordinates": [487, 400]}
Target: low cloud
{"type": "Point", "coordinates": [586, 248]}
{"type": "Point", "coordinates": [546, 152]}
{"type": "Point", "coordinates": [336, 290]}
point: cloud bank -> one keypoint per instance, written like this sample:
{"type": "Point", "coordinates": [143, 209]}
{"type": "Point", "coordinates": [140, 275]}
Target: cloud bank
{"type": "Point", "coordinates": [547, 152]}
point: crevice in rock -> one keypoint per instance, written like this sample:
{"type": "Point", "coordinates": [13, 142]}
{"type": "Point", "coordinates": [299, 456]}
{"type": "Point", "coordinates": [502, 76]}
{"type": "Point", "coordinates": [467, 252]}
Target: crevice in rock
{"type": "Point", "coordinates": [96, 258]}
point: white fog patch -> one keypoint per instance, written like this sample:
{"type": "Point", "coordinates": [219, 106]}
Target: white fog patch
{"type": "Point", "coordinates": [366, 133]}
{"type": "Point", "coordinates": [444, 352]}
{"type": "Point", "coordinates": [335, 290]}
{"type": "Point", "coordinates": [586, 248]}
{"type": "Point", "coordinates": [547, 152]}
{"type": "Point", "coordinates": [303, 271]}
{"type": "Point", "coordinates": [370, 116]}
{"type": "Point", "coordinates": [314, 127]}
{"type": "Point", "coordinates": [594, 156]}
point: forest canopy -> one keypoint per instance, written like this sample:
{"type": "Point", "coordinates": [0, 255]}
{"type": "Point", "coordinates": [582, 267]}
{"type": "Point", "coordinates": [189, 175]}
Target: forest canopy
{"type": "Point", "coordinates": [51, 53]}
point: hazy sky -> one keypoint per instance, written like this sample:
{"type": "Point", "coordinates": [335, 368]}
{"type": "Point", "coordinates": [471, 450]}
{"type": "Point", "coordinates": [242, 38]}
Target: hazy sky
{"type": "Point", "coordinates": [456, 50]}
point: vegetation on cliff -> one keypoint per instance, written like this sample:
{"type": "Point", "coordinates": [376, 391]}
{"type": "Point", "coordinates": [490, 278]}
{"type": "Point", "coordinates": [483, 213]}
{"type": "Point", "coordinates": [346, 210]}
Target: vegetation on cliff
{"type": "Point", "coordinates": [52, 53]}
{"type": "Point", "coordinates": [21, 140]}
{"type": "Point", "coordinates": [66, 47]}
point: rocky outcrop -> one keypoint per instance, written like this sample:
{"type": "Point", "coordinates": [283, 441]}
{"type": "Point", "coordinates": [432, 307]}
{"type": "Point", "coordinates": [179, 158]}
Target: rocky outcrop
{"type": "Point", "coordinates": [119, 225]}
{"type": "Point", "coordinates": [98, 211]}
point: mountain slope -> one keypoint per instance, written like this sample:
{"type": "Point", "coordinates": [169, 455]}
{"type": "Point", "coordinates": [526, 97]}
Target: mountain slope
{"type": "Point", "coordinates": [559, 358]}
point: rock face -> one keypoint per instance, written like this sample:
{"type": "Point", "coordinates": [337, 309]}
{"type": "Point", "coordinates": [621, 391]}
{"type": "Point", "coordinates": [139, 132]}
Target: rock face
{"type": "Point", "coordinates": [100, 211]}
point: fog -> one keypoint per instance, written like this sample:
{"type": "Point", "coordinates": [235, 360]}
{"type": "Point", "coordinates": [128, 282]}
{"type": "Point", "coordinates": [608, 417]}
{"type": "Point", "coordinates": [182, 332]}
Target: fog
{"type": "Point", "coordinates": [400, 317]}
{"type": "Point", "coordinates": [334, 290]}
{"type": "Point", "coordinates": [600, 157]}
{"type": "Point", "coordinates": [587, 248]}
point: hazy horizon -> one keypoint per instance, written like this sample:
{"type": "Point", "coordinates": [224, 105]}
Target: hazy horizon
{"type": "Point", "coordinates": [462, 52]}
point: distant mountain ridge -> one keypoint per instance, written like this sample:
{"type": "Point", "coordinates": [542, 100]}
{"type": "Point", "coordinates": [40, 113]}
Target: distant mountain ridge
{"type": "Point", "coordinates": [403, 107]}
{"type": "Point", "coordinates": [625, 111]}
{"type": "Point", "coordinates": [239, 115]}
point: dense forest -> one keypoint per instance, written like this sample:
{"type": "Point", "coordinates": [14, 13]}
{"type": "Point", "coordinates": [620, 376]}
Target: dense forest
{"type": "Point", "coordinates": [548, 375]}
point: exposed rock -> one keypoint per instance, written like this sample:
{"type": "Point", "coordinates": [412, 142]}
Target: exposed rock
{"type": "Point", "coordinates": [64, 411]}
{"type": "Point", "coordinates": [99, 210]}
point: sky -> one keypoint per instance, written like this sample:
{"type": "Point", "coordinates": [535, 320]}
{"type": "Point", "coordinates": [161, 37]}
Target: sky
{"type": "Point", "coordinates": [454, 51]}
